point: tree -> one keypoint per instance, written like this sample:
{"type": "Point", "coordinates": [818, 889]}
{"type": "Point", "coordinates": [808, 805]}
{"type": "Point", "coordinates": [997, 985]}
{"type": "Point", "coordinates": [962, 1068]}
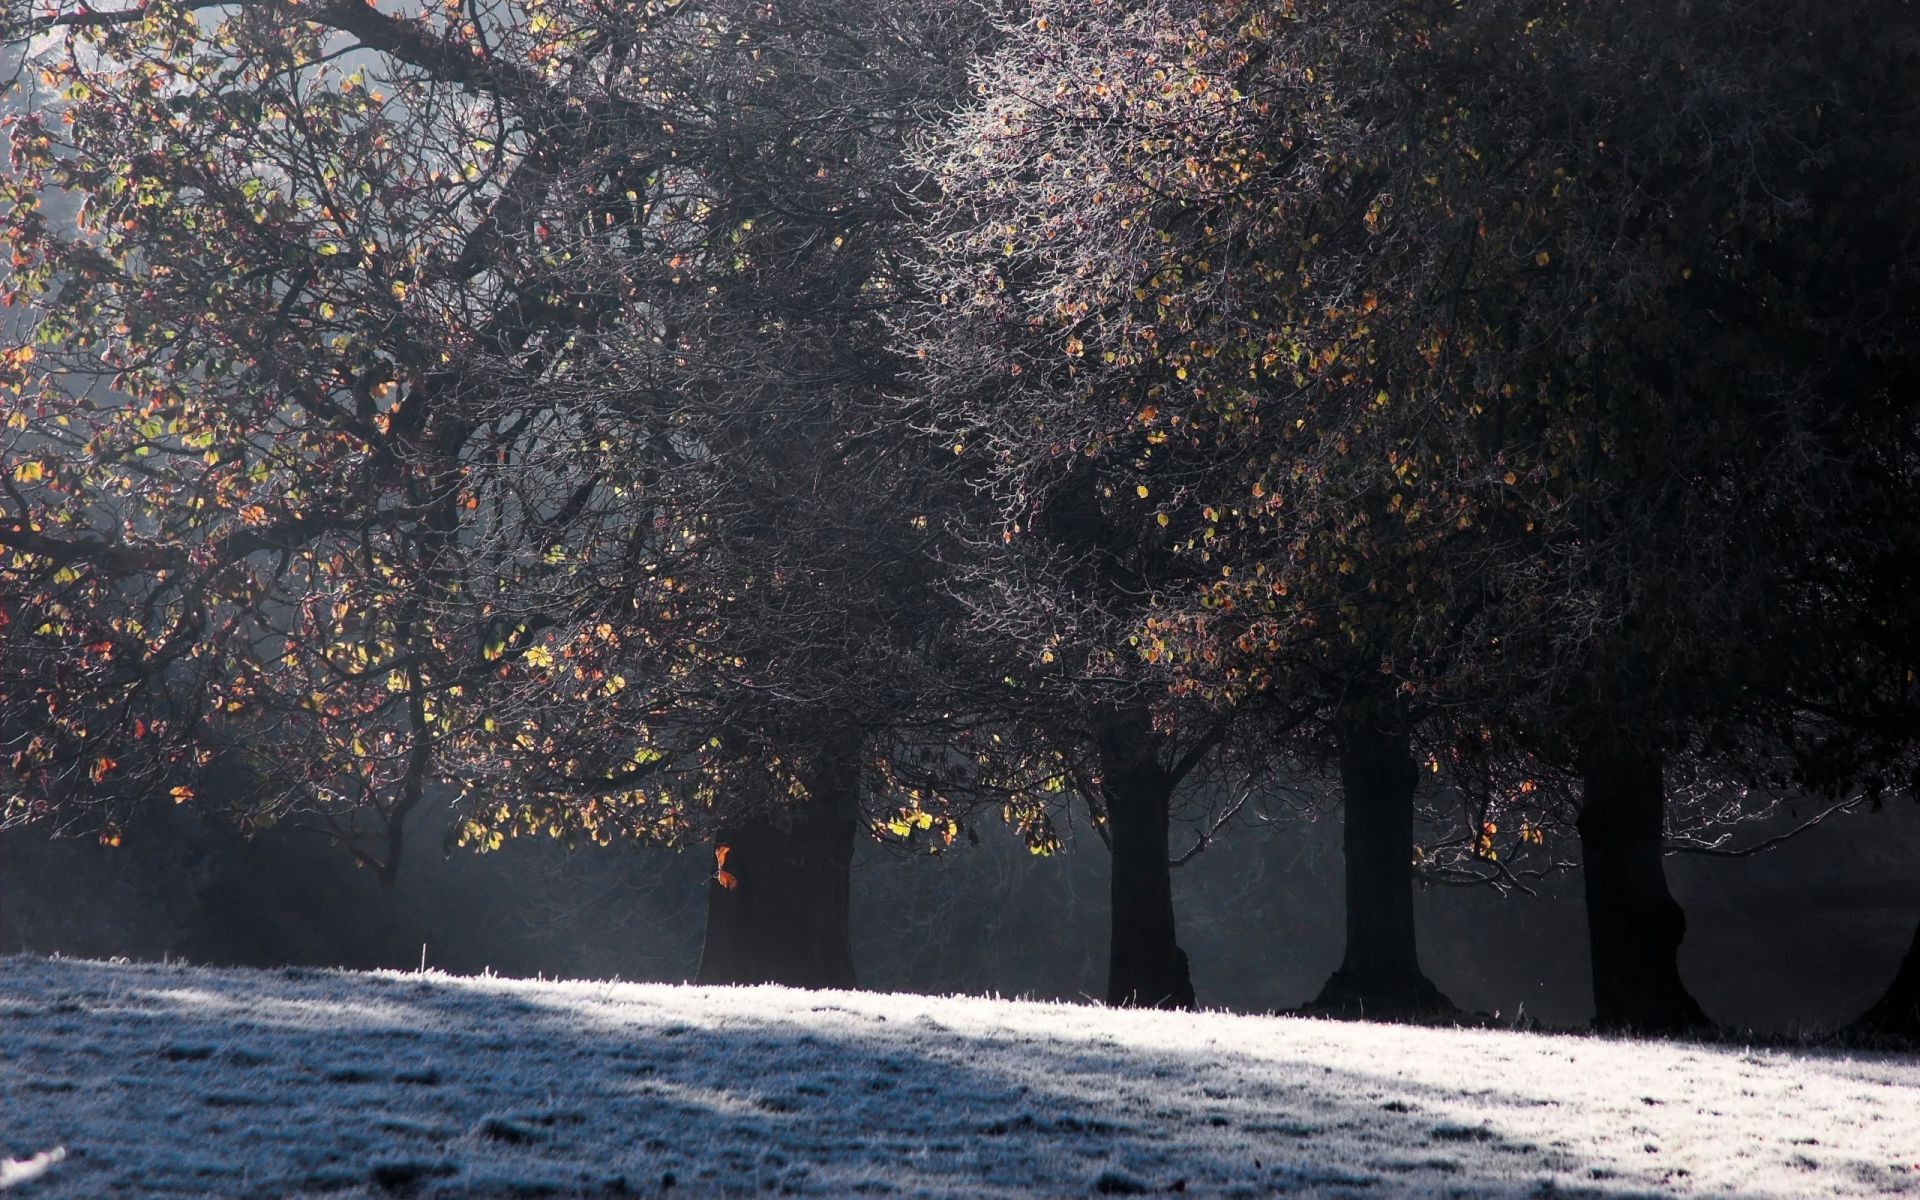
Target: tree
{"type": "Point", "coordinates": [1120, 209]}
{"type": "Point", "coordinates": [1697, 395]}
{"type": "Point", "coordinates": [1058, 558]}
{"type": "Point", "coordinates": [477, 397]}
{"type": "Point", "coordinates": [1897, 1011]}
{"type": "Point", "coordinates": [1493, 368]}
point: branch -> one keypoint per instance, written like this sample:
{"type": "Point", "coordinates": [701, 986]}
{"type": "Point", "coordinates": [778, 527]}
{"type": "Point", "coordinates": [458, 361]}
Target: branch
{"type": "Point", "coordinates": [1713, 850]}
{"type": "Point", "coordinates": [1202, 841]}
{"type": "Point", "coordinates": [1500, 876]}
{"type": "Point", "coordinates": [402, 39]}
{"type": "Point", "coordinates": [119, 559]}
{"type": "Point", "coordinates": [88, 17]}
{"type": "Point", "coordinates": [613, 784]}
{"type": "Point", "coordinates": [1196, 753]}
{"type": "Point", "coordinates": [413, 786]}
{"type": "Point", "coordinates": [111, 557]}
{"type": "Point", "coordinates": [1096, 811]}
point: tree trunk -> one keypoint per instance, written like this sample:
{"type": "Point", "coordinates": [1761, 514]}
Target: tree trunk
{"type": "Point", "coordinates": [1634, 925]}
{"type": "Point", "coordinates": [777, 907]}
{"type": "Point", "coordinates": [1146, 966]}
{"type": "Point", "coordinates": [1898, 1011]}
{"type": "Point", "coordinates": [1380, 974]}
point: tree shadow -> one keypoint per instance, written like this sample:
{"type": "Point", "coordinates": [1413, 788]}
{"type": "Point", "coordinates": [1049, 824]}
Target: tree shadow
{"type": "Point", "coordinates": [184, 1081]}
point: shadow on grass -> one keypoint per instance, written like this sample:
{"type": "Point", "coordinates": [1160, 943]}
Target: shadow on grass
{"type": "Point", "coordinates": [182, 1081]}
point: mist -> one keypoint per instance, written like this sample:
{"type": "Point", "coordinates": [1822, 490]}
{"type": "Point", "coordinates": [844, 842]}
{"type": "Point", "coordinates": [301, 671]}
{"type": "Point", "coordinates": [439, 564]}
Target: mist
{"type": "Point", "coordinates": [1794, 940]}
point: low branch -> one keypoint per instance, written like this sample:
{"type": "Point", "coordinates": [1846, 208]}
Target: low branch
{"type": "Point", "coordinates": [1712, 849]}
{"type": "Point", "coordinates": [1203, 840]}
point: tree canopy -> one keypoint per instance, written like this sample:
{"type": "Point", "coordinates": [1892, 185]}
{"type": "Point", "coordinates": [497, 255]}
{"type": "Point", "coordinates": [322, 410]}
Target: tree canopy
{"type": "Point", "coordinates": [744, 422]}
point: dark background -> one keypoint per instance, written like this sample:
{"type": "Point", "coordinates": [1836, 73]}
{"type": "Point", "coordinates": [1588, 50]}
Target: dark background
{"type": "Point", "coordinates": [1802, 937]}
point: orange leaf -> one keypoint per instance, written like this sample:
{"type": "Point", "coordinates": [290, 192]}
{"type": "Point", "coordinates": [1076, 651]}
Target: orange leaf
{"type": "Point", "coordinates": [726, 880]}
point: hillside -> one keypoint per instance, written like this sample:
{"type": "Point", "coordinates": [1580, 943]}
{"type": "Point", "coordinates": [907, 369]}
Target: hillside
{"type": "Point", "coordinates": [183, 1081]}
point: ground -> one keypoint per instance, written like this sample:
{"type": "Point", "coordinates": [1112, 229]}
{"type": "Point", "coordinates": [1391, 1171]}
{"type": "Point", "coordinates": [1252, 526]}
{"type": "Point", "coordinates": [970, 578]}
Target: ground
{"type": "Point", "coordinates": [185, 1081]}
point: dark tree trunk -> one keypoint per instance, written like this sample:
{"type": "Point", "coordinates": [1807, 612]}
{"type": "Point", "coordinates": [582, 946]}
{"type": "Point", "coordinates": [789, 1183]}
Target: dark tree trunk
{"type": "Point", "coordinates": [784, 917]}
{"type": "Point", "coordinates": [1634, 925]}
{"type": "Point", "coordinates": [1898, 1011]}
{"type": "Point", "coordinates": [1146, 967]}
{"type": "Point", "coordinates": [1380, 974]}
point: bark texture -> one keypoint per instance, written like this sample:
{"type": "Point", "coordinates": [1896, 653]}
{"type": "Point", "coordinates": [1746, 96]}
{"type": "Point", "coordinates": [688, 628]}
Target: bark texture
{"type": "Point", "coordinates": [1380, 972]}
{"type": "Point", "coordinates": [1634, 925]}
{"type": "Point", "coordinates": [780, 912]}
{"type": "Point", "coordinates": [1146, 966]}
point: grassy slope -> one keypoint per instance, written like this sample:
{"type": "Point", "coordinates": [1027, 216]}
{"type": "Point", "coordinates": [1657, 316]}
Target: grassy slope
{"type": "Point", "coordinates": [177, 1081]}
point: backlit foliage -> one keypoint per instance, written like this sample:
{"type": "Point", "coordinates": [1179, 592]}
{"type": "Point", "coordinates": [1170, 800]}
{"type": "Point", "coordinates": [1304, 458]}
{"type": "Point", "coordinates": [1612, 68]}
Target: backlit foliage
{"type": "Point", "coordinates": [459, 397]}
{"type": "Point", "coordinates": [1488, 366]}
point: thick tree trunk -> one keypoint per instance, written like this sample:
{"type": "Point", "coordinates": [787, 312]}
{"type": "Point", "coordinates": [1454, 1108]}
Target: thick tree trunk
{"type": "Point", "coordinates": [1380, 974]}
{"type": "Point", "coordinates": [1634, 925]}
{"type": "Point", "coordinates": [1146, 966]}
{"type": "Point", "coordinates": [779, 913]}
{"type": "Point", "coordinates": [1898, 1011]}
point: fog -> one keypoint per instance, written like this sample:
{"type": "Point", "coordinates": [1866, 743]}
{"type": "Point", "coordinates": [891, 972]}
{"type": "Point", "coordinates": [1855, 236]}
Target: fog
{"type": "Point", "coordinates": [1799, 938]}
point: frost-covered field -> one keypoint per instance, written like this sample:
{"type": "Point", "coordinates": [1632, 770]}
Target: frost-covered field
{"type": "Point", "coordinates": [177, 1081]}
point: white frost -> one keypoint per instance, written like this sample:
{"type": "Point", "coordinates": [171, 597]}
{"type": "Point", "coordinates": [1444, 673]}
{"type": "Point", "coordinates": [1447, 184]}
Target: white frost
{"type": "Point", "coordinates": [180, 1081]}
{"type": "Point", "coordinates": [19, 1170]}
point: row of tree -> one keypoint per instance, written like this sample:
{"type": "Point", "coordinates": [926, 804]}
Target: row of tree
{"type": "Point", "coordinates": [757, 424]}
